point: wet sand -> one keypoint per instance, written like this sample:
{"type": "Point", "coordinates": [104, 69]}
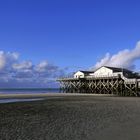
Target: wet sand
{"type": "Point", "coordinates": [43, 95]}
{"type": "Point", "coordinates": [72, 118]}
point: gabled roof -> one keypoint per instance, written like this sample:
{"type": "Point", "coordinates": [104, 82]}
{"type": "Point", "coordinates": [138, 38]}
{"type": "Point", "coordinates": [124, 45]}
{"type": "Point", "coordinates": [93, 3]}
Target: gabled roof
{"type": "Point", "coordinates": [118, 69]}
{"type": "Point", "coordinates": [86, 72]}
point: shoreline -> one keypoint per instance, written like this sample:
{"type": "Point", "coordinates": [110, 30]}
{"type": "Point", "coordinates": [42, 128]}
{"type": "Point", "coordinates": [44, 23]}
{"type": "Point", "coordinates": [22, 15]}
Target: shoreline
{"type": "Point", "coordinates": [43, 95]}
{"type": "Point", "coordinates": [31, 97]}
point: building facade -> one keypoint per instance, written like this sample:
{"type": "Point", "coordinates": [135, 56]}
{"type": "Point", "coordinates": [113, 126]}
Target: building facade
{"type": "Point", "coordinates": [104, 80]}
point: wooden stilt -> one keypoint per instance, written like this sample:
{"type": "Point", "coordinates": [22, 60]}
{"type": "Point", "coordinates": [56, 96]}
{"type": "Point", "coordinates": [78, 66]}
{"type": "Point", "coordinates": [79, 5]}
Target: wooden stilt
{"type": "Point", "coordinates": [101, 85]}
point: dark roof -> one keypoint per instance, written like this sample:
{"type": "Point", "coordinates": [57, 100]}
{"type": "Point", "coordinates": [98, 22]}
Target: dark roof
{"type": "Point", "coordinates": [86, 72]}
{"type": "Point", "coordinates": [118, 69]}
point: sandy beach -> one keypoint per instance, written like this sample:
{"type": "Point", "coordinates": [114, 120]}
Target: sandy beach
{"type": "Point", "coordinates": [46, 95]}
{"type": "Point", "coordinates": [70, 117]}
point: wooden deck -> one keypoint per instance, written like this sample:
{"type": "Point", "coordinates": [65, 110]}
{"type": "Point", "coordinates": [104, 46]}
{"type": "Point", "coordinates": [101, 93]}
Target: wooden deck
{"type": "Point", "coordinates": [102, 85]}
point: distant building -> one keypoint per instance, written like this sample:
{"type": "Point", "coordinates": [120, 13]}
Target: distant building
{"type": "Point", "coordinates": [104, 80]}
{"type": "Point", "coordinates": [82, 74]}
{"type": "Point", "coordinates": [106, 71]}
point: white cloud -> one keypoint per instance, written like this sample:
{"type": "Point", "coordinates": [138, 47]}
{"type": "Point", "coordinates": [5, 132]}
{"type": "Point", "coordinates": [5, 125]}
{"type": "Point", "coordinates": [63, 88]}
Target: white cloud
{"type": "Point", "coordinates": [22, 65]}
{"type": "Point", "coordinates": [42, 66]}
{"type": "Point", "coordinates": [7, 58]}
{"type": "Point", "coordinates": [15, 73]}
{"type": "Point", "coordinates": [2, 60]}
{"type": "Point", "coordinates": [124, 58]}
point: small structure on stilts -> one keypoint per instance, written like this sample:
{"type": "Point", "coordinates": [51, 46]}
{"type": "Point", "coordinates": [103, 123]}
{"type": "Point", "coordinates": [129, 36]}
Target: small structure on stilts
{"type": "Point", "coordinates": [105, 80]}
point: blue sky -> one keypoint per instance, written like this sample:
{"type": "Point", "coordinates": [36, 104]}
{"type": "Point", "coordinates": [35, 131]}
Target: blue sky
{"type": "Point", "coordinates": [74, 34]}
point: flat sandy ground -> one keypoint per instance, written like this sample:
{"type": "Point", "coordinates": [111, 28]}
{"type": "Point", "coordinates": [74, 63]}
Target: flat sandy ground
{"type": "Point", "coordinates": [72, 118]}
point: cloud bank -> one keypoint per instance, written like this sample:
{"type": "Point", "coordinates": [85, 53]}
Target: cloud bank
{"type": "Point", "coordinates": [124, 58]}
{"type": "Point", "coordinates": [14, 73]}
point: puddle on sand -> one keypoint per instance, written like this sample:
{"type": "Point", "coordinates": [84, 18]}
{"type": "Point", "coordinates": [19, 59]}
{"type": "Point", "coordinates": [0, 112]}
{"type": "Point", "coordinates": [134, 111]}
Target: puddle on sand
{"type": "Point", "coordinates": [19, 100]}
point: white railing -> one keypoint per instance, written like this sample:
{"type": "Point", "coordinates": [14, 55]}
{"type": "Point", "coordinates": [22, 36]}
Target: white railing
{"type": "Point", "coordinates": [103, 76]}
{"type": "Point", "coordinates": [119, 74]}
